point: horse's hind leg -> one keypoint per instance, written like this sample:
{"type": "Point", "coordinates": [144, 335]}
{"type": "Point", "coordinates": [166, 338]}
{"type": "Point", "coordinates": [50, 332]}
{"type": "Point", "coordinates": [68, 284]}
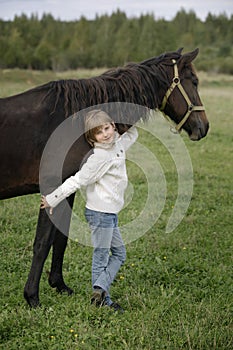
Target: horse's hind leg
{"type": "Point", "coordinates": [56, 276]}
{"type": "Point", "coordinates": [45, 234]}
{"type": "Point", "coordinates": [59, 246]}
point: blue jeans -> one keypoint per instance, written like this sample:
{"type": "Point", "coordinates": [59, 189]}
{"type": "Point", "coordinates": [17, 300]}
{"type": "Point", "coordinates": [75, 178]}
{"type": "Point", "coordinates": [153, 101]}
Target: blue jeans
{"type": "Point", "coordinates": [109, 250]}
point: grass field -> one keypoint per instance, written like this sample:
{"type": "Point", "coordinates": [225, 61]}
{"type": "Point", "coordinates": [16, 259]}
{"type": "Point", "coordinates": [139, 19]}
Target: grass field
{"type": "Point", "coordinates": [176, 288]}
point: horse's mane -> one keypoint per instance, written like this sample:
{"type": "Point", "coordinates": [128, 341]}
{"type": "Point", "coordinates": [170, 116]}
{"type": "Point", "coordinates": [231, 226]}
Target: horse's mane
{"type": "Point", "coordinates": [136, 83]}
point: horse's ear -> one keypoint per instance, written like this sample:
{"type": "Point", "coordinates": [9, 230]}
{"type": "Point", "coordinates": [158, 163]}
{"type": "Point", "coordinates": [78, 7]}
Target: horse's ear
{"type": "Point", "coordinates": [188, 57]}
{"type": "Point", "coordinates": [180, 50]}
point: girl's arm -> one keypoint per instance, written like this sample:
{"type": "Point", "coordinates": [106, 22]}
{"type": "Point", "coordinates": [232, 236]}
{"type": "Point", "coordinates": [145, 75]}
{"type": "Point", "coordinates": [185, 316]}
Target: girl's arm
{"type": "Point", "coordinates": [95, 167]}
{"type": "Point", "coordinates": [129, 137]}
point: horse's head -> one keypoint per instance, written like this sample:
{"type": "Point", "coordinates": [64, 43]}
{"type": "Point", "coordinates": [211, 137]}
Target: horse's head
{"type": "Point", "coordinates": [181, 101]}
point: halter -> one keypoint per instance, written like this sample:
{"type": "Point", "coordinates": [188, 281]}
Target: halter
{"type": "Point", "coordinates": [191, 107]}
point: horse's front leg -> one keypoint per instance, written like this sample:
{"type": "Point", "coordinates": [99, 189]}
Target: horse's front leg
{"type": "Point", "coordinates": [45, 234]}
{"type": "Point", "coordinates": [59, 246]}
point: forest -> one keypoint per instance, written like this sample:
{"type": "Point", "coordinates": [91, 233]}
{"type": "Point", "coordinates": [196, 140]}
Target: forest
{"type": "Point", "coordinates": [112, 40]}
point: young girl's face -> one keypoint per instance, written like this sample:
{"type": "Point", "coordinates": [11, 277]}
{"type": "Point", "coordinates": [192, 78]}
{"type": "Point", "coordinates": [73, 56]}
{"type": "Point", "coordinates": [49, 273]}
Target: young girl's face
{"type": "Point", "coordinates": [105, 133]}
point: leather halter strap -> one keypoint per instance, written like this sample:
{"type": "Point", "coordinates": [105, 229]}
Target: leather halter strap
{"type": "Point", "coordinates": [176, 83]}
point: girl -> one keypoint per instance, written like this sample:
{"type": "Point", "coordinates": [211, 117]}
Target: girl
{"type": "Point", "coordinates": [105, 178]}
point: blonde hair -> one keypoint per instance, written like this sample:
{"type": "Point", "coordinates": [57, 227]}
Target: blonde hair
{"type": "Point", "coordinates": [94, 120]}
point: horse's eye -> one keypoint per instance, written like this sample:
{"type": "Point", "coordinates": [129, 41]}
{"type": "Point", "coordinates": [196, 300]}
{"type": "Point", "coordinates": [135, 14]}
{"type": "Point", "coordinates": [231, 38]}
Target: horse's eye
{"type": "Point", "coordinates": [195, 82]}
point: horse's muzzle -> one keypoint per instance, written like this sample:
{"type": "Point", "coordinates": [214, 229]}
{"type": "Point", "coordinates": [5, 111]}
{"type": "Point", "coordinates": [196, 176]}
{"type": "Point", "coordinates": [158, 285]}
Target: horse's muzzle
{"type": "Point", "coordinates": [199, 132]}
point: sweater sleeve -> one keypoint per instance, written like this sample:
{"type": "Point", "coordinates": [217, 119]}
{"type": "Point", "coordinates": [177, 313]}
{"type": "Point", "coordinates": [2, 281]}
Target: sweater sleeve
{"type": "Point", "coordinates": [129, 137]}
{"type": "Point", "coordinates": [95, 167]}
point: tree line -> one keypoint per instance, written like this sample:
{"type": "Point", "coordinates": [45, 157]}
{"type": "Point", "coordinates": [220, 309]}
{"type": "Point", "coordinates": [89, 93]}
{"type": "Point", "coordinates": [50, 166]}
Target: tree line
{"type": "Point", "coordinates": [113, 40]}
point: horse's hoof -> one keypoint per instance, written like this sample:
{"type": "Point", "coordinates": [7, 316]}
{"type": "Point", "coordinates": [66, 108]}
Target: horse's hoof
{"type": "Point", "coordinates": [33, 301]}
{"type": "Point", "coordinates": [65, 290]}
{"type": "Point", "coordinates": [58, 283]}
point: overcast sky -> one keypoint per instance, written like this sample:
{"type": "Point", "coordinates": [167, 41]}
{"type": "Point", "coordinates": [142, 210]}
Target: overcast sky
{"type": "Point", "coordinates": [74, 9]}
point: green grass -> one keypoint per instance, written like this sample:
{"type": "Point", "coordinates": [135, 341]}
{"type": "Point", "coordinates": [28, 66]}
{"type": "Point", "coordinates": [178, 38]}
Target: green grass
{"type": "Point", "coordinates": [176, 288]}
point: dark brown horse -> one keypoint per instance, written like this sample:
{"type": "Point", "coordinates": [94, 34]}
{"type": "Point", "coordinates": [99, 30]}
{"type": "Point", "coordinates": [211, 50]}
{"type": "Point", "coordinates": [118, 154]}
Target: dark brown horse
{"type": "Point", "coordinates": [167, 83]}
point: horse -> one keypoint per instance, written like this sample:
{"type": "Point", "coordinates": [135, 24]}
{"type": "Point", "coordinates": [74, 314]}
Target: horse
{"type": "Point", "coordinates": [167, 83]}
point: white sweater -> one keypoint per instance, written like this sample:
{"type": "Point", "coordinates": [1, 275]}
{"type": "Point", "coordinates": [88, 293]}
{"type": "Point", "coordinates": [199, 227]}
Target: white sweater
{"type": "Point", "coordinates": [104, 176]}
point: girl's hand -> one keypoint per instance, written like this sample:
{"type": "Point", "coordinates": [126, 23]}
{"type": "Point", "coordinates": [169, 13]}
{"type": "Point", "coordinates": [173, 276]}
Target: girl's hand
{"type": "Point", "coordinates": [44, 204]}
